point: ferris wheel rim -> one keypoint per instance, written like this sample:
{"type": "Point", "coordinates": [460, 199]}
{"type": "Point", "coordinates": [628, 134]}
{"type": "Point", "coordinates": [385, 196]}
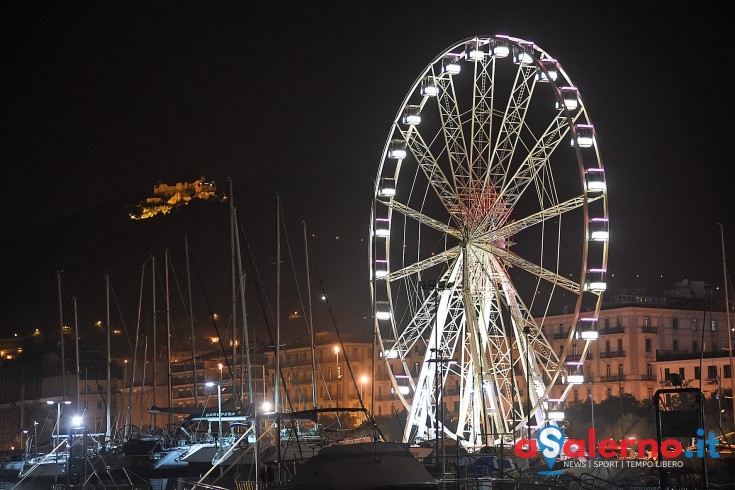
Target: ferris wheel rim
{"type": "Point", "coordinates": [468, 240]}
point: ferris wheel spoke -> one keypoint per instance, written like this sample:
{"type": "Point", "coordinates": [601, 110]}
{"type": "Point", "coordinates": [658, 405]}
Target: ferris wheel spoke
{"type": "Point", "coordinates": [417, 267]}
{"type": "Point", "coordinates": [546, 214]}
{"type": "Point", "coordinates": [513, 119]}
{"type": "Point", "coordinates": [453, 133]}
{"type": "Point", "coordinates": [537, 159]}
{"type": "Point", "coordinates": [437, 180]}
{"type": "Point", "coordinates": [536, 270]}
{"type": "Point", "coordinates": [423, 219]}
{"type": "Point", "coordinates": [482, 121]}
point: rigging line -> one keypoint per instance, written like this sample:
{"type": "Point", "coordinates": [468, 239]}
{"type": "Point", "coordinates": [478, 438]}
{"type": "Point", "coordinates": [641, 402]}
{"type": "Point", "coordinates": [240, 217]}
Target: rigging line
{"type": "Point", "coordinates": [223, 351]}
{"type": "Point", "coordinates": [367, 412]}
{"type": "Point", "coordinates": [301, 300]}
{"type": "Point", "coordinates": [180, 292]}
{"type": "Point", "coordinates": [263, 301]}
{"type": "Point", "coordinates": [293, 269]}
{"type": "Point", "coordinates": [704, 327]}
{"type": "Point", "coordinates": [260, 289]}
{"type": "Point", "coordinates": [162, 285]}
{"type": "Point", "coordinates": [122, 320]}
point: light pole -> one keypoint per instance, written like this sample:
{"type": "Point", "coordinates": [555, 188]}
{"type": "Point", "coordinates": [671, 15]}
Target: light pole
{"type": "Point", "coordinates": [58, 415]}
{"type": "Point", "coordinates": [363, 379]}
{"type": "Point", "coordinates": [719, 400]}
{"type": "Point", "coordinates": [526, 332]}
{"type": "Point", "coordinates": [339, 374]}
{"type": "Point", "coordinates": [124, 389]}
{"type": "Point", "coordinates": [219, 406]}
{"type": "Point", "coordinates": [622, 419]}
{"type": "Point", "coordinates": [58, 428]}
{"type": "Point", "coordinates": [24, 442]}
{"type": "Point", "coordinates": [35, 438]}
{"type": "Point", "coordinates": [78, 424]}
{"type": "Point", "coordinates": [592, 410]}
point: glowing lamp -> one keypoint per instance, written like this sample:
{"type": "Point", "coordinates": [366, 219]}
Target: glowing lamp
{"type": "Point", "coordinates": [499, 48]}
{"type": "Point", "coordinates": [450, 65]}
{"type": "Point", "coordinates": [397, 150]}
{"type": "Point", "coordinates": [522, 53]}
{"type": "Point", "coordinates": [569, 98]}
{"type": "Point", "coordinates": [411, 115]}
{"type": "Point", "coordinates": [387, 187]}
{"type": "Point", "coordinates": [549, 70]}
{"type": "Point", "coordinates": [599, 230]}
{"type": "Point", "coordinates": [556, 415]}
{"type": "Point", "coordinates": [382, 227]}
{"type": "Point", "coordinates": [382, 310]}
{"type": "Point", "coordinates": [429, 88]}
{"type": "Point", "coordinates": [585, 136]}
{"type": "Point", "coordinates": [595, 180]}
{"type": "Point", "coordinates": [474, 52]}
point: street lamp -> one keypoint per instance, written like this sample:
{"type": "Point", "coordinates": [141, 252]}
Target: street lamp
{"type": "Point", "coordinates": [219, 404]}
{"type": "Point", "coordinates": [363, 379]}
{"type": "Point", "coordinates": [77, 422]}
{"type": "Point", "coordinates": [719, 399]}
{"type": "Point", "coordinates": [592, 409]}
{"type": "Point", "coordinates": [58, 415]}
{"type": "Point", "coordinates": [339, 374]}
{"type": "Point", "coordinates": [24, 442]}
{"type": "Point", "coordinates": [58, 428]}
{"type": "Point", "coordinates": [35, 438]}
{"type": "Point", "coordinates": [526, 332]}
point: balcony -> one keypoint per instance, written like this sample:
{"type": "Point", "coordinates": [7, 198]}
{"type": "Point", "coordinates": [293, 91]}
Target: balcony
{"type": "Point", "coordinates": [612, 378]}
{"type": "Point", "coordinates": [612, 353]}
{"type": "Point", "coordinates": [649, 329]}
{"type": "Point", "coordinates": [612, 330]}
{"type": "Point", "coordinates": [676, 355]}
{"type": "Point", "coordinates": [561, 335]}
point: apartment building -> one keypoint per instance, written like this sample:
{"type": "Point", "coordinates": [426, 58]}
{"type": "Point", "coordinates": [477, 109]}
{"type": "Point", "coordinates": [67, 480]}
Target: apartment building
{"type": "Point", "coordinates": [640, 345]}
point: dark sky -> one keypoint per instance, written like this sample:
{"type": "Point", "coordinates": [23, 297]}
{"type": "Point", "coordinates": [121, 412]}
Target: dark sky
{"type": "Point", "coordinates": [102, 100]}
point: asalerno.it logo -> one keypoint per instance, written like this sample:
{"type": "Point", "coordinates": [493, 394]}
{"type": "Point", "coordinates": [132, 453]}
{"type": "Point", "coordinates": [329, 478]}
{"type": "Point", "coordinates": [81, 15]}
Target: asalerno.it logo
{"type": "Point", "coordinates": [551, 442]}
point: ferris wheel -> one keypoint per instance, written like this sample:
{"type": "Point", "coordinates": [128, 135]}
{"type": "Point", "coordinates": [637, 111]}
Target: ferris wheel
{"type": "Point", "coordinates": [489, 214]}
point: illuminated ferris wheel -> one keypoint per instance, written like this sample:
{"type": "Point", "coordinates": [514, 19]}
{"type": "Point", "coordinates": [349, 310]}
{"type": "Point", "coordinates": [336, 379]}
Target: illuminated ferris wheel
{"type": "Point", "coordinates": [490, 214]}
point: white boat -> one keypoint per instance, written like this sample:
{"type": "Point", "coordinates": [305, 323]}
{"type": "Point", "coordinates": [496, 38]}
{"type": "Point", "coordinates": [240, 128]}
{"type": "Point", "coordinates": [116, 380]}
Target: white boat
{"type": "Point", "coordinates": [169, 459]}
{"type": "Point", "coordinates": [52, 465]}
{"type": "Point", "coordinates": [10, 470]}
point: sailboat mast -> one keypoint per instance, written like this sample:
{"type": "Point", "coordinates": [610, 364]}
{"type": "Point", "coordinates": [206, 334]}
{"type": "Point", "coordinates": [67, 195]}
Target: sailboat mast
{"type": "Point", "coordinates": [108, 431]}
{"type": "Point", "coordinates": [246, 342]}
{"type": "Point", "coordinates": [233, 287]}
{"type": "Point", "coordinates": [129, 418]}
{"type": "Point", "coordinates": [278, 329]}
{"type": "Point", "coordinates": [142, 384]}
{"type": "Point", "coordinates": [311, 321]}
{"type": "Point", "coordinates": [76, 345]}
{"type": "Point", "coordinates": [191, 322]}
{"type": "Point", "coordinates": [155, 351]}
{"type": "Point", "coordinates": [61, 331]}
{"type": "Point", "coordinates": [169, 374]}
{"type": "Point", "coordinates": [727, 317]}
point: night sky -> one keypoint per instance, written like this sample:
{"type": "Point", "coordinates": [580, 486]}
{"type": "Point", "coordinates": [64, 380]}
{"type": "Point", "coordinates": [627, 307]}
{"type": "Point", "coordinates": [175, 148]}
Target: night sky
{"type": "Point", "coordinates": [103, 100]}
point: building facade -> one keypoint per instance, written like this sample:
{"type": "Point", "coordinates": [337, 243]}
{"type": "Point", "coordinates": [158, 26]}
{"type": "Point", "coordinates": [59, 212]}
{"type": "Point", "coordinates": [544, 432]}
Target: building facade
{"type": "Point", "coordinates": [640, 343]}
